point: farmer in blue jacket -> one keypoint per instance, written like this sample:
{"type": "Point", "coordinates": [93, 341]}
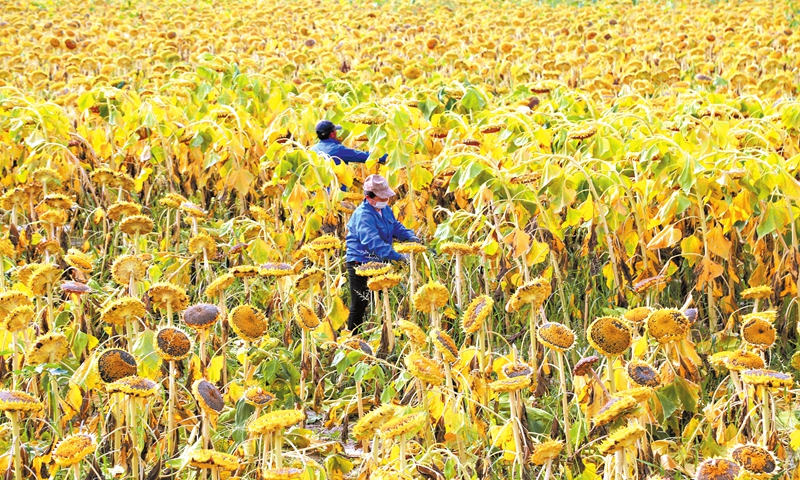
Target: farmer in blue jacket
{"type": "Point", "coordinates": [370, 232]}
{"type": "Point", "coordinates": [330, 145]}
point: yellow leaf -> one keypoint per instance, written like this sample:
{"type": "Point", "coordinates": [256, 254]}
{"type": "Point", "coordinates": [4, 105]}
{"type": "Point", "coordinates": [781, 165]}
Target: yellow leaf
{"type": "Point", "coordinates": [503, 437]}
{"type": "Point", "coordinates": [234, 393]}
{"type": "Point", "coordinates": [794, 439]}
{"type": "Point", "coordinates": [141, 178]}
{"type": "Point", "coordinates": [520, 242]}
{"type": "Point", "coordinates": [71, 404]}
{"type": "Point", "coordinates": [717, 242]}
{"type": "Point", "coordinates": [640, 347]}
{"type": "Point", "coordinates": [194, 366]}
{"type": "Point", "coordinates": [538, 253]}
{"type": "Point", "coordinates": [691, 249]}
{"type": "Point", "coordinates": [339, 313]}
{"type": "Point", "coordinates": [344, 173]}
{"type": "Point", "coordinates": [215, 368]}
{"type": "Point", "coordinates": [665, 238]}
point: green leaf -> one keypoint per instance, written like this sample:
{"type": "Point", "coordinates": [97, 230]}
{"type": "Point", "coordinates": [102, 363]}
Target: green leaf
{"type": "Point", "coordinates": [775, 219]}
{"type": "Point", "coordinates": [473, 100]}
{"type": "Point", "coordinates": [149, 361]}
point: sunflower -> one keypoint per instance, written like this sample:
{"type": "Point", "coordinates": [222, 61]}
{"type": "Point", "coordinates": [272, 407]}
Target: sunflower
{"type": "Point", "coordinates": [643, 374]}
{"type": "Point", "coordinates": [476, 313]}
{"type": "Point", "coordinates": [193, 210]}
{"type": "Point", "coordinates": [759, 333]}
{"type": "Point", "coordinates": [717, 469]}
{"type": "Point", "coordinates": [123, 310]}
{"type": "Point", "coordinates": [610, 336]}
{"type": "Point", "coordinates": [413, 332]}
{"type": "Point", "coordinates": [258, 397]}
{"type": "Point", "coordinates": [755, 460]}
{"type": "Point", "coordinates": [445, 345]}
{"type": "Point", "coordinates": [276, 420]}
{"type": "Point", "coordinates": [511, 384]}
{"type": "Point", "coordinates": [58, 200]}
{"type": "Point", "coordinates": [55, 217]}
{"type": "Point", "coordinates": [534, 293]}
{"type": "Point", "coordinates": [73, 448]}
{"type": "Point", "coordinates": [431, 295]}
{"type": "Point", "coordinates": [424, 368]}
{"type": "Point", "coordinates": [766, 315]}
{"type": "Point", "coordinates": [516, 369]}
{"type": "Point", "coordinates": [48, 348]}
{"type": "Point", "coordinates": [667, 325]}
{"type": "Point", "coordinates": [76, 288]}
{"type": "Point", "coordinates": [203, 242]}
{"type": "Point", "coordinates": [172, 200]}
{"type": "Point", "coordinates": [43, 278]}
{"type": "Point", "coordinates": [649, 284]}
{"type": "Point", "coordinates": [372, 269]}
{"type": "Point", "coordinates": [219, 285]}
{"type": "Point", "coordinates": [622, 438]}
{"type": "Point", "coordinates": [404, 425]}
{"type": "Point", "coordinates": [127, 268]}
{"type": "Point", "coordinates": [743, 360]}
{"type": "Point", "coordinates": [556, 336]}
{"type": "Point", "coordinates": [546, 451]}
{"type": "Point", "coordinates": [18, 319]}
{"type": "Point", "coordinates": [767, 378]}
{"type": "Point", "coordinates": [309, 278]}
{"type": "Point", "coordinates": [79, 260]}
{"type": "Point", "coordinates": [325, 243]}
{"type": "Point", "coordinates": [409, 247]}
{"type": "Point", "coordinates": [637, 315]}
{"type": "Point", "coordinates": [12, 300]}
{"type": "Point", "coordinates": [172, 343]}
{"type": "Point", "coordinates": [163, 294]}
{"type": "Point", "coordinates": [757, 293]}
{"type": "Point", "coordinates": [244, 271]}
{"type": "Point", "coordinates": [366, 426]}
{"type": "Point", "coordinates": [136, 225]}
{"type": "Point", "coordinates": [616, 407]}
{"type": "Point", "coordinates": [134, 386]}
{"type": "Point", "coordinates": [115, 364]}
{"type": "Point", "coordinates": [123, 209]}
{"type": "Point", "coordinates": [305, 316]}
{"type": "Point", "coordinates": [454, 248]}
{"type": "Point", "coordinates": [282, 474]}
{"type": "Point", "coordinates": [15, 401]}
{"type": "Point", "coordinates": [385, 281]}
{"type": "Point", "coordinates": [204, 458]}
{"type": "Point", "coordinates": [640, 394]}
{"type": "Point", "coordinates": [248, 322]}
{"type": "Point", "coordinates": [201, 316]}
{"type": "Point", "coordinates": [208, 397]}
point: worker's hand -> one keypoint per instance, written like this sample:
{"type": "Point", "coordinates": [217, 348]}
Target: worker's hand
{"type": "Point", "coordinates": [403, 258]}
{"type": "Point", "coordinates": [416, 240]}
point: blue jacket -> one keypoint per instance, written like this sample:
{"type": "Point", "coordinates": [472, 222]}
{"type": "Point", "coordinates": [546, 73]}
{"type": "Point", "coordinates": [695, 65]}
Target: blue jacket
{"type": "Point", "coordinates": [339, 153]}
{"type": "Point", "coordinates": [370, 234]}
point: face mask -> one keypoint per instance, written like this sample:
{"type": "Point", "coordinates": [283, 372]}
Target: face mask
{"type": "Point", "coordinates": [381, 205]}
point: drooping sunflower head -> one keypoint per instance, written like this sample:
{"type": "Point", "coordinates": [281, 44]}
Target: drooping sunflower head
{"type": "Point", "coordinates": [404, 425]}
{"type": "Point", "coordinates": [546, 451]}
{"type": "Point", "coordinates": [717, 469]}
{"type": "Point", "coordinates": [759, 333]}
{"type": "Point", "coordinates": [203, 243]}
{"type": "Point", "coordinates": [123, 310]}
{"type": "Point", "coordinates": [325, 243]}
{"type": "Point", "coordinates": [163, 294]}
{"type": "Point", "coordinates": [757, 293]}
{"type": "Point", "coordinates": [43, 278]}
{"type": "Point", "coordinates": [47, 348]}
{"type": "Point", "coordinates": [616, 407]}
{"type": "Point", "coordinates": [445, 345]}
{"type": "Point", "coordinates": [11, 300]}
{"type": "Point", "coordinates": [373, 269]}
{"type": "Point", "coordinates": [305, 317]}
{"type": "Point", "coordinates": [667, 325]}
{"type": "Point", "coordinates": [409, 247]}
{"type": "Point", "coordinates": [366, 426]}
{"type": "Point", "coordinates": [193, 210]}
{"type": "Point", "coordinates": [556, 336]}
{"type": "Point", "coordinates": [637, 315]}
{"type": "Point", "coordinates": [282, 474]}
{"type": "Point", "coordinates": [767, 315]}
{"type": "Point", "coordinates": [414, 333]}
{"type": "Point", "coordinates": [134, 386]}
{"type": "Point", "coordinates": [258, 397]}
{"type": "Point", "coordinates": [276, 420]}
{"type": "Point", "coordinates": [172, 200]}
{"type": "Point", "coordinates": [640, 394]}
{"type": "Point", "coordinates": [309, 278]}
{"type": "Point", "coordinates": [755, 460]}
{"type": "Point", "coordinates": [244, 271]}
{"type": "Point", "coordinates": [276, 270]}
{"type": "Point", "coordinates": [208, 397]}
{"type": "Point", "coordinates": [385, 281]}
{"type": "Point", "coordinates": [610, 336]}
{"type": "Point", "coordinates": [213, 459]}
{"type": "Point", "coordinates": [430, 296]}
{"type": "Point", "coordinates": [585, 365]}
{"type": "Point", "coordinates": [18, 319]}
{"type": "Point", "coordinates": [115, 364]}
{"type": "Point", "coordinates": [201, 316]}
{"type": "Point", "coordinates": [534, 293]}
{"type": "Point", "coordinates": [643, 374]}
{"type": "Point", "coordinates": [123, 209]}
{"type": "Point", "coordinates": [219, 285]}
{"type": "Point", "coordinates": [128, 268]}
{"type": "Point", "coordinates": [136, 225]}
{"type": "Point", "coordinates": [424, 368]}
{"type": "Point", "coordinates": [172, 343]}
{"type": "Point", "coordinates": [16, 401]}
{"type": "Point", "coordinates": [740, 360]}
{"type": "Point", "coordinates": [476, 313]}
{"type": "Point", "coordinates": [455, 248]}
{"type": "Point", "coordinates": [511, 384]}
{"type": "Point", "coordinates": [622, 438]}
{"type": "Point", "coordinates": [650, 283]}
{"type": "Point", "coordinates": [767, 378]}
{"type": "Point", "coordinates": [74, 448]}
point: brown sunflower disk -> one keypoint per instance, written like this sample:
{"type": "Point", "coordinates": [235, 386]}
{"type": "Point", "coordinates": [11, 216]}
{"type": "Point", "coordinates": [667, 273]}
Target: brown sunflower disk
{"type": "Point", "coordinates": [115, 364]}
{"type": "Point", "coordinates": [172, 343]}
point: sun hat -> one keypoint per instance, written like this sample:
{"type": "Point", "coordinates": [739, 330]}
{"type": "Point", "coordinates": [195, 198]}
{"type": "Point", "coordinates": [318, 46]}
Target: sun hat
{"type": "Point", "coordinates": [379, 186]}
{"type": "Point", "coordinates": [326, 126]}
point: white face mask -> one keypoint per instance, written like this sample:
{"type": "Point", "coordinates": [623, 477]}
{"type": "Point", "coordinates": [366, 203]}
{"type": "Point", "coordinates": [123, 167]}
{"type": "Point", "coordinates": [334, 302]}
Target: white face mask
{"type": "Point", "coordinates": [381, 205]}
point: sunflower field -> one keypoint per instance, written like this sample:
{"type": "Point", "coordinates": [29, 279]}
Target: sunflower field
{"type": "Point", "coordinates": [607, 192]}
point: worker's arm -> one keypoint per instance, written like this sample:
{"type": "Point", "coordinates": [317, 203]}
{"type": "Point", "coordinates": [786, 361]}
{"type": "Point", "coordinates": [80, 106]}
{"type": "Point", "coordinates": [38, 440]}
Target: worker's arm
{"type": "Point", "coordinates": [367, 233]}
{"type": "Point", "coordinates": [349, 155]}
{"type": "Point", "coordinates": [400, 232]}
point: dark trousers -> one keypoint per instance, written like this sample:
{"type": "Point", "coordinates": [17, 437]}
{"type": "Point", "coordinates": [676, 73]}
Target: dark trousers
{"type": "Point", "coordinates": [360, 297]}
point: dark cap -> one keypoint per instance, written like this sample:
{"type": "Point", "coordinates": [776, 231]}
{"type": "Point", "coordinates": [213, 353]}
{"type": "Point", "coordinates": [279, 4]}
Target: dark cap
{"type": "Point", "coordinates": [326, 126]}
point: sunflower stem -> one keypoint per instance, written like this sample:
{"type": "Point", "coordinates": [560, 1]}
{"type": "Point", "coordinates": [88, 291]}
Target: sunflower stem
{"type": "Point", "coordinates": [765, 412]}
{"type": "Point", "coordinates": [564, 405]}
{"type": "Point", "coordinates": [17, 445]}
{"type": "Point", "coordinates": [458, 281]}
{"type": "Point", "coordinates": [134, 438]}
{"type": "Point", "coordinates": [171, 410]}
{"type": "Point", "coordinates": [403, 452]}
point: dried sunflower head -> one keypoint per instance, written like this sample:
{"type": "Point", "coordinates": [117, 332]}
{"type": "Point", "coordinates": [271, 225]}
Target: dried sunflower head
{"type": "Point", "coordinates": [622, 438]}
{"type": "Point", "coordinates": [759, 333]}
{"type": "Point", "coordinates": [168, 294]}
{"type": "Point", "coordinates": [43, 278]}
{"type": "Point", "coordinates": [309, 278]}
{"type": "Point", "coordinates": [424, 368]}
{"type": "Point", "coordinates": [248, 322]}
{"type": "Point", "coordinates": [172, 343]}
{"type": "Point", "coordinates": [637, 315]}
{"type": "Point", "coordinates": [172, 200]}
{"type": "Point", "coordinates": [212, 459]}
{"type": "Point", "coordinates": [546, 451]}
{"type": "Point", "coordinates": [517, 369]}
{"type": "Point", "coordinates": [134, 386]}
{"type": "Point", "coordinates": [201, 316]}
{"type": "Point", "coordinates": [123, 209]}
{"type": "Point", "coordinates": [276, 270]}
{"type": "Point", "coordinates": [372, 269]}
{"type": "Point", "coordinates": [404, 425]}
{"type": "Point", "coordinates": [219, 285]}
{"type": "Point", "coordinates": [282, 474]}
{"type": "Point", "coordinates": [430, 296]}
{"type": "Point", "coordinates": [667, 325]}
{"type": "Point", "coordinates": [79, 260]}
{"type": "Point", "coordinates": [18, 319]}
{"type": "Point", "coordinates": [757, 293]}
{"type": "Point", "coordinates": [16, 401]}
{"type": "Point", "coordinates": [48, 348]}
{"type": "Point", "coordinates": [136, 225]}
{"type": "Point", "coordinates": [409, 247]}
{"type": "Point", "coordinates": [767, 378]}
{"type": "Point", "coordinates": [445, 345]}
{"type": "Point", "coordinates": [366, 426]}
{"type": "Point", "coordinates": [305, 316]}
{"type": "Point", "coordinates": [325, 243]}
{"type": "Point", "coordinates": [413, 332]}
{"type": "Point", "coordinates": [385, 281]}
{"type": "Point", "coordinates": [556, 336]}
{"type": "Point", "coordinates": [717, 469]}
{"type": "Point", "coordinates": [743, 360]}
{"type": "Point", "coordinates": [643, 374]}
{"type": "Point", "coordinates": [455, 249]}
{"type": "Point", "coordinates": [73, 448]}
{"type": "Point", "coordinates": [610, 336]}
{"type": "Point", "coordinates": [244, 271]}
{"type": "Point", "coordinates": [476, 313]}
{"type": "Point", "coordinates": [115, 364]}
{"type": "Point", "coordinates": [616, 407]}
{"type": "Point", "coordinates": [193, 210]}
{"type": "Point", "coordinates": [127, 268]}
{"type": "Point", "coordinates": [208, 397]}
{"type": "Point", "coordinates": [276, 420]}
{"type": "Point", "coordinates": [755, 460]}
{"type": "Point", "coordinates": [511, 384]}
{"type": "Point", "coordinates": [258, 397]}
{"type": "Point", "coordinates": [123, 310]}
{"type": "Point", "coordinates": [11, 300]}
{"type": "Point", "coordinates": [534, 293]}
{"type": "Point", "coordinates": [203, 242]}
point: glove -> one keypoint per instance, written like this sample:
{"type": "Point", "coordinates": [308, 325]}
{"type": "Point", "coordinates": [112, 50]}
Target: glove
{"type": "Point", "coordinates": [403, 258]}
{"type": "Point", "coordinates": [416, 240]}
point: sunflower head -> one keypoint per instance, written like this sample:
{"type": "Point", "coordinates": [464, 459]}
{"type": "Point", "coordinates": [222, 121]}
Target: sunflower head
{"type": "Point", "coordinates": [123, 310]}
{"type": "Point", "coordinates": [203, 242]}
{"type": "Point", "coordinates": [73, 448]}
{"type": "Point", "coordinates": [172, 343]}
{"type": "Point", "coordinates": [115, 364]}
{"type": "Point", "coordinates": [373, 269]}
{"type": "Point", "coordinates": [610, 336]}
{"type": "Point", "coordinates": [757, 293]}
{"type": "Point", "coordinates": [219, 285]}
{"type": "Point", "coordinates": [309, 278]}
{"type": "Point", "coordinates": [755, 459]}
{"type": "Point", "coordinates": [667, 325]}
{"type": "Point", "coordinates": [403, 425]}
{"type": "Point", "coordinates": [511, 384]}
{"type": "Point", "coordinates": [759, 333]}
{"type": "Point", "coordinates": [413, 331]}
{"type": "Point", "coordinates": [445, 345]}
{"type": "Point", "coordinates": [16, 401]}
{"type": "Point", "coordinates": [366, 426]}
{"type": "Point", "coordinates": [643, 374]}
{"type": "Point", "coordinates": [127, 268]}
{"type": "Point", "coordinates": [134, 386]}
{"type": "Point", "coordinates": [48, 348]}
{"type": "Point", "coordinates": [556, 336]}
{"type": "Point", "coordinates": [517, 369]}
{"type": "Point", "coordinates": [212, 459]}
{"type": "Point", "coordinates": [476, 313]}
{"type": "Point", "coordinates": [11, 300]}
{"type": "Point", "coordinates": [424, 368]}
{"type": "Point", "coordinates": [282, 474]}
{"type": "Point", "coordinates": [305, 316]}
{"type": "Point", "coordinates": [123, 209]}
{"type": "Point", "coordinates": [409, 248]}
{"type": "Point", "coordinates": [136, 225]}
{"type": "Point", "coordinates": [385, 281]}
{"type": "Point", "coordinates": [430, 296]}
{"type": "Point", "coordinates": [44, 277]}
{"type": "Point", "coordinates": [546, 451]}
{"type": "Point", "coordinates": [276, 420]}
{"type": "Point", "coordinates": [276, 270]}
{"type": "Point", "coordinates": [616, 407]}
{"type": "Point", "coordinates": [172, 200]}
{"type": "Point", "coordinates": [201, 317]}
{"type": "Point", "coordinates": [18, 319]}
{"type": "Point", "coordinates": [325, 243]}
{"type": "Point", "coordinates": [248, 322]}
{"type": "Point", "coordinates": [717, 469]}
{"type": "Point", "coordinates": [740, 360]}
{"type": "Point", "coordinates": [258, 397]}
{"type": "Point", "coordinates": [637, 315]}
{"type": "Point", "coordinates": [767, 378]}
{"type": "Point", "coordinates": [208, 397]}
{"type": "Point", "coordinates": [622, 438]}
{"type": "Point", "coordinates": [534, 293]}
{"type": "Point", "coordinates": [168, 294]}
{"type": "Point", "coordinates": [458, 249]}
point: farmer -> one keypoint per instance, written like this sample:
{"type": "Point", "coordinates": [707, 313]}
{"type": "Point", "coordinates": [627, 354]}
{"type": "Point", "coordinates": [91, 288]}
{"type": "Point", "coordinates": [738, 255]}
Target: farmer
{"type": "Point", "coordinates": [370, 232]}
{"type": "Point", "coordinates": [330, 145]}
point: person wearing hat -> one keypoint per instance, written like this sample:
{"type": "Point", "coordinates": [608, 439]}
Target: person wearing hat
{"type": "Point", "coordinates": [330, 145]}
{"type": "Point", "coordinates": [370, 233]}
